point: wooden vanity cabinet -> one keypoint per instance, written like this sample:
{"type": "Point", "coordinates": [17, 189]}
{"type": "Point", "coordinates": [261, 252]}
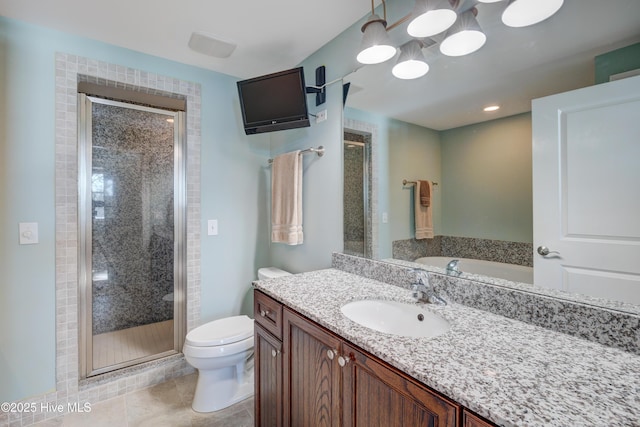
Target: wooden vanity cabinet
{"type": "Point", "coordinates": [312, 377]}
{"type": "Point", "coordinates": [375, 394]}
{"type": "Point", "coordinates": [268, 356]}
{"type": "Point", "coordinates": [268, 378]}
{"type": "Point", "coordinates": [472, 420]}
{"type": "Point", "coordinates": [318, 379]}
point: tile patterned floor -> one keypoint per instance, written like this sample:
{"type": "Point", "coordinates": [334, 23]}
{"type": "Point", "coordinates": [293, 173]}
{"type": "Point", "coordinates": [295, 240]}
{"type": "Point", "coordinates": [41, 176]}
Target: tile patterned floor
{"type": "Point", "coordinates": [115, 347]}
{"type": "Point", "coordinates": [164, 405]}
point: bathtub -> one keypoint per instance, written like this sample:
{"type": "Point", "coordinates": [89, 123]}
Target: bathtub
{"type": "Point", "coordinates": [512, 272]}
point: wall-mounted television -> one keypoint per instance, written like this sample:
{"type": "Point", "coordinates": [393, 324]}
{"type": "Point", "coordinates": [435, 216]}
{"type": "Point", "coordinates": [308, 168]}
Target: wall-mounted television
{"type": "Point", "coordinates": [274, 102]}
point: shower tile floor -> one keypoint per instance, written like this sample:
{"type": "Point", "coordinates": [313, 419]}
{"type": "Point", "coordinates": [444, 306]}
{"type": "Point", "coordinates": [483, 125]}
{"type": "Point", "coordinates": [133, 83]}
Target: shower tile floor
{"type": "Point", "coordinates": [115, 347]}
{"type": "Point", "coordinates": [166, 404]}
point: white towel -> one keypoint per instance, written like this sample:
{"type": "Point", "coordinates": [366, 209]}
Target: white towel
{"type": "Point", "coordinates": [286, 199]}
{"type": "Point", "coordinates": [424, 221]}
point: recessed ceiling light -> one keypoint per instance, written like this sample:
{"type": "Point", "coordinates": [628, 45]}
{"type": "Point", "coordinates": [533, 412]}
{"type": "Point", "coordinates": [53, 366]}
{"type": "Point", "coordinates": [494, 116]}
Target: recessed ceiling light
{"type": "Point", "coordinates": [491, 108]}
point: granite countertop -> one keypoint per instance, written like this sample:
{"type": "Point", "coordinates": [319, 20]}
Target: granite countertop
{"type": "Point", "coordinates": [512, 373]}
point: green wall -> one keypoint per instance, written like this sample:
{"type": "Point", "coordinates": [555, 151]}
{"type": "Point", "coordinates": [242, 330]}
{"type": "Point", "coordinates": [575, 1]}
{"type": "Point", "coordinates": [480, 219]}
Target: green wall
{"type": "Point", "coordinates": [617, 61]}
{"type": "Point", "coordinates": [486, 180]}
{"type": "Point", "coordinates": [231, 168]}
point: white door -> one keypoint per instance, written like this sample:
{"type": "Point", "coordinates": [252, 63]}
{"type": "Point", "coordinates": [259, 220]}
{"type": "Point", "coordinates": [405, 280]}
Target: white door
{"type": "Point", "coordinates": [586, 191]}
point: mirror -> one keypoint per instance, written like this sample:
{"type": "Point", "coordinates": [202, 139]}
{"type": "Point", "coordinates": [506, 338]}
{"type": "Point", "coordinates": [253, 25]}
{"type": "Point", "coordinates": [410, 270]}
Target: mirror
{"type": "Point", "coordinates": [434, 128]}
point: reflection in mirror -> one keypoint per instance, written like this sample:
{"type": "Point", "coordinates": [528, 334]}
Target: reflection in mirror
{"type": "Point", "coordinates": [433, 128]}
{"type": "Point", "coordinates": [357, 239]}
{"type": "Point", "coordinates": [360, 189]}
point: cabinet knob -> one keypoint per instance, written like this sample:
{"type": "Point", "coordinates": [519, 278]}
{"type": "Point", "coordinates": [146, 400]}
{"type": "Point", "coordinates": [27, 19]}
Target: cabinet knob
{"type": "Point", "coordinates": [331, 354]}
{"type": "Point", "coordinates": [342, 361]}
{"type": "Point", "coordinates": [274, 352]}
{"type": "Point", "coordinates": [264, 313]}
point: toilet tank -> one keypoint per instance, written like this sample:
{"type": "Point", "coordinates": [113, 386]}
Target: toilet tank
{"type": "Point", "coordinates": [271, 273]}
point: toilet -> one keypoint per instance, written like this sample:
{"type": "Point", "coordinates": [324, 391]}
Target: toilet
{"type": "Point", "coordinates": [271, 273]}
{"type": "Point", "coordinates": [222, 352]}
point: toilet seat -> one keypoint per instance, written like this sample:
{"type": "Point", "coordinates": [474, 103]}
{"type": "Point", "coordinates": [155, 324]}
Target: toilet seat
{"type": "Point", "coordinates": [221, 332]}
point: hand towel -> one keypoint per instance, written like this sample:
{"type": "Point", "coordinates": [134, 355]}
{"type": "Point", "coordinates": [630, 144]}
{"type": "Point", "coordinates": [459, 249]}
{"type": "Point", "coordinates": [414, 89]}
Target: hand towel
{"type": "Point", "coordinates": [425, 193]}
{"type": "Point", "coordinates": [423, 219]}
{"type": "Point", "coordinates": [286, 199]}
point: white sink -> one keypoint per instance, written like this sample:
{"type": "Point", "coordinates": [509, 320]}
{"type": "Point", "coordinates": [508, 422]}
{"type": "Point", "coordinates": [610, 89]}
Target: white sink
{"type": "Point", "coordinates": [396, 318]}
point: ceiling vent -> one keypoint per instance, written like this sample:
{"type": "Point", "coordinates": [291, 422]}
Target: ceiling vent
{"type": "Point", "coordinates": [210, 45]}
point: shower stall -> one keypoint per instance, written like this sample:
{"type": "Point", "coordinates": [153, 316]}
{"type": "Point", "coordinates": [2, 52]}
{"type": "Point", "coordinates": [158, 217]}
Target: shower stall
{"type": "Point", "coordinates": [357, 195]}
{"type": "Point", "coordinates": [132, 203]}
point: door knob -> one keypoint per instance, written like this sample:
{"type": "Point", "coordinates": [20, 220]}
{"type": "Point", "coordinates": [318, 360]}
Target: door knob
{"type": "Point", "coordinates": [544, 251]}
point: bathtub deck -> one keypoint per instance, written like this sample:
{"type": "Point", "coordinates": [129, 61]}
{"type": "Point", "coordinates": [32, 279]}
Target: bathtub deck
{"type": "Point", "coordinates": [111, 348]}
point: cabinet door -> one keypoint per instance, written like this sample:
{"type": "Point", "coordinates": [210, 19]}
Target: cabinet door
{"type": "Point", "coordinates": [378, 395]}
{"type": "Point", "coordinates": [311, 374]}
{"type": "Point", "coordinates": [268, 379]}
{"type": "Point", "coordinates": [471, 420]}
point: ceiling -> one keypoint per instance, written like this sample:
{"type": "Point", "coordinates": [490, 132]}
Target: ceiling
{"type": "Point", "coordinates": [270, 35]}
{"type": "Point", "coordinates": [513, 67]}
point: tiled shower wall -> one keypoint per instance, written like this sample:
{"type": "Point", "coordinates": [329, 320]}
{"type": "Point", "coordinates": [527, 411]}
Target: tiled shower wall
{"type": "Point", "coordinates": [71, 69]}
{"type": "Point", "coordinates": [132, 233]}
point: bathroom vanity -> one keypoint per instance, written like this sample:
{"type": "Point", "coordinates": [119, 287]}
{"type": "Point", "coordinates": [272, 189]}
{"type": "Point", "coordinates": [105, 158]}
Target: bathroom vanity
{"type": "Point", "coordinates": [309, 376]}
{"type": "Point", "coordinates": [314, 366]}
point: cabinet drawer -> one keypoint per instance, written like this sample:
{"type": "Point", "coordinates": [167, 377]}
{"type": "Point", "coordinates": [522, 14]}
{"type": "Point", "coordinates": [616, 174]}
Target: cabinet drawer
{"type": "Point", "coordinates": [268, 313]}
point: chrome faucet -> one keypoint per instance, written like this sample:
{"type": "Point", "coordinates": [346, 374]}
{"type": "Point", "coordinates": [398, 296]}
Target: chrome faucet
{"type": "Point", "coordinates": [452, 268]}
{"type": "Point", "coordinates": [421, 289]}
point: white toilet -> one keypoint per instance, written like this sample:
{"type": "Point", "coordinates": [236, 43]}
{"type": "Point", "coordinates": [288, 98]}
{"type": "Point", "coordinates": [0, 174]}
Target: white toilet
{"type": "Point", "coordinates": [222, 352]}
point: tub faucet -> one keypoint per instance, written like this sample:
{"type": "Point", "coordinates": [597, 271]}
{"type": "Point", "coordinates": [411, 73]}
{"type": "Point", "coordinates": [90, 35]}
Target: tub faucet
{"type": "Point", "coordinates": [452, 268]}
{"type": "Point", "coordinates": [421, 289]}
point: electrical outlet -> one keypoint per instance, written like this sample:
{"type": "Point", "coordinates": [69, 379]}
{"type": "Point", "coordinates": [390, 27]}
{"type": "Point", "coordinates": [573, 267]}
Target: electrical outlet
{"type": "Point", "coordinates": [321, 116]}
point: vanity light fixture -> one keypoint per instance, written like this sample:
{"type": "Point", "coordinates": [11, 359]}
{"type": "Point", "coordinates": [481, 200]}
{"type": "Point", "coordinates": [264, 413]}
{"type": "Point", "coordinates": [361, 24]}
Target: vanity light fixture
{"type": "Point", "coordinates": [411, 63]}
{"type": "Point", "coordinates": [451, 23]}
{"type": "Point", "coordinates": [522, 13]}
{"type": "Point", "coordinates": [464, 37]}
{"type": "Point", "coordinates": [490, 108]}
{"type": "Point", "coordinates": [431, 17]}
{"type": "Point", "coordinates": [376, 46]}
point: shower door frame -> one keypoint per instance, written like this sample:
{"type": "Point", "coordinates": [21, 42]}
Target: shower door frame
{"type": "Point", "coordinates": [85, 276]}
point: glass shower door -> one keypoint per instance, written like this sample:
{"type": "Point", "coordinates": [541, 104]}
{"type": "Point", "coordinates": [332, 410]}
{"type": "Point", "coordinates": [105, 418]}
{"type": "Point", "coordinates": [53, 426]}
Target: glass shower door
{"type": "Point", "coordinates": [132, 233]}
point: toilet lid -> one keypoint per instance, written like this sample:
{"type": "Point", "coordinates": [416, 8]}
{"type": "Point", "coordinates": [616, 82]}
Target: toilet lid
{"type": "Point", "coordinates": [221, 331]}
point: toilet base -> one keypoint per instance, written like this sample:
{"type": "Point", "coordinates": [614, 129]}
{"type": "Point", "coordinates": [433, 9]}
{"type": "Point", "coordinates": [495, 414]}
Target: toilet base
{"type": "Point", "coordinates": [219, 389]}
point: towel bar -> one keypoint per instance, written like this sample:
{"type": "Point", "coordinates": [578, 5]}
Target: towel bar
{"type": "Point", "coordinates": [405, 182]}
{"type": "Point", "coordinates": [319, 151]}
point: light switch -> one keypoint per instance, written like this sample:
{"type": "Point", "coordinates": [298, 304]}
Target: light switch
{"type": "Point", "coordinates": [212, 227]}
{"type": "Point", "coordinates": [28, 233]}
{"type": "Point", "coordinates": [385, 217]}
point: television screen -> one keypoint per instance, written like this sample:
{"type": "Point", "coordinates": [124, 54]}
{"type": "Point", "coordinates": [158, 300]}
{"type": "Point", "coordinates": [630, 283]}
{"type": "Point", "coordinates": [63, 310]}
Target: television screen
{"type": "Point", "coordinates": [274, 102]}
